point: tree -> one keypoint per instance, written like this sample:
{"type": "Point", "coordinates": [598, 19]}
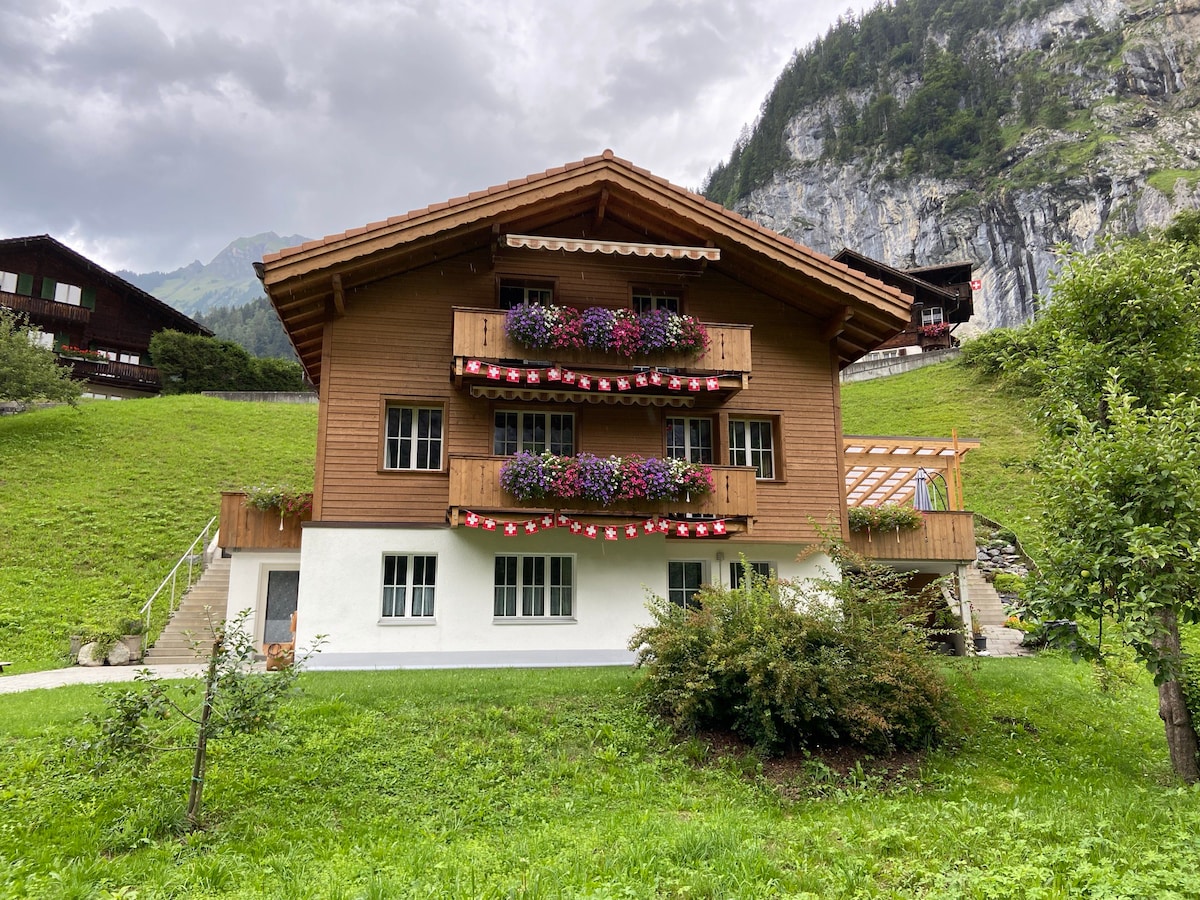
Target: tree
{"type": "Point", "coordinates": [28, 371]}
{"type": "Point", "coordinates": [191, 363]}
{"type": "Point", "coordinates": [1122, 464]}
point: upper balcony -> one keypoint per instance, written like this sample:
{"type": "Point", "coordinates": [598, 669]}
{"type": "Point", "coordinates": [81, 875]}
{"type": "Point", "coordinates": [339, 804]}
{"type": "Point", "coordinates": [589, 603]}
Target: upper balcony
{"type": "Point", "coordinates": [708, 378]}
{"type": "Point", "coordinates": [46, 311]}
{"type": "Point", "coordinates": [475, 486]}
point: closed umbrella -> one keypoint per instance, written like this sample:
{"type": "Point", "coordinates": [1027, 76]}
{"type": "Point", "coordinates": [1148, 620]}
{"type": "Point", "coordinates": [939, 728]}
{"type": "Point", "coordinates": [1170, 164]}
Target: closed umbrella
{"type": "Point", "coordinates": [921, 498]}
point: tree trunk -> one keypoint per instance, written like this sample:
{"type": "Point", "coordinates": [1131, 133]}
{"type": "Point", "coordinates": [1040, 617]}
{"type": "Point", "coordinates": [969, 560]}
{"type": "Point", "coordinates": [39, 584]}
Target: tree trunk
{"type": "Point", "coordinates": [196, 793]}
{"type": "Point", "coordinates": [1181, 731]}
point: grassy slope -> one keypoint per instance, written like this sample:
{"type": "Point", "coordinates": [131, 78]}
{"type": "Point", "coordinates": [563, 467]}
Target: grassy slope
{"type": "Point", "coordinates": [98, 503]}
{"type": "Point", "coordinates": [933, 401]}
{"type": "Point", "coordinates": [549, 783]}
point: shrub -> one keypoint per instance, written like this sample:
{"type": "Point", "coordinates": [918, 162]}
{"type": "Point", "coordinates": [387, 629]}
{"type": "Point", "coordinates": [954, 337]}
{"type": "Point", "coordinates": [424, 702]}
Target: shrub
{"type": "Point", "coordinates": [790, 666]}
{"type": "Point", "coordinates": [889, 517]}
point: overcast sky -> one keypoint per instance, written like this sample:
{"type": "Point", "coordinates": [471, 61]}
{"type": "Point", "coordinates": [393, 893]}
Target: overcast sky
{"type": "Point", "coordinates": [147, 134]}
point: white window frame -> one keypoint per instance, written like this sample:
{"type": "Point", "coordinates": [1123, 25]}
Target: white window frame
{"type": "Point", "coordinates": [412, 597]}
{"type": "Point", "coordinates": [501, 448]}
{"type": "Point", "coordinates": [758, 569]}
{"type": "Point", "coordinates": [404, 453]}
{"type": "Point", "coordinates": [690, 450]}
{"type": "Point", "coordinates": [683, 593]}
{"type": "Point", "coordinates": [519, 596]}
{"type": "Point", "coordinates": [532, 291]}
{"type": "Point", "coordinates": [8, 282]}
{"type": "Point", "coordinates": [647, 299]}
{"type": "Point", "coordinates": [68, 293]}
{"type": "Point", "coordinates": [747, 446]}
{"type": "Point", "coordinates": [932, 315]}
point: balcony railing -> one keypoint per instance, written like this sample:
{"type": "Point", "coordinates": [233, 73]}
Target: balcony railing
{"type": "Point", "coordinates": [944, 536]}
{"type": "Point", "coordinates": [475, 485]}
{"type": "Point", "coordinates": [479, 334]}
{"type": "Point", "coordinates": [243, 527]}
{"type": "Point", "coordinates": [40, 310]}
{"type": "Point", "coordinates": [117, 373]}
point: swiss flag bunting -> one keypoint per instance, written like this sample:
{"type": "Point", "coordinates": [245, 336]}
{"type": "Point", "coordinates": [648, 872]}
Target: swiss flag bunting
{"type": "Point", "coordinates": [630, 530]}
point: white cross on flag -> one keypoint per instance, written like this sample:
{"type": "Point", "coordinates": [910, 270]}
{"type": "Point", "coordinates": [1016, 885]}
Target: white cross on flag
{"type": "Point", "coordinates": [585, 382]}
{"type": "Point", "coordinates": [610, 532]}
{"type": "Point", "coordinates": [702, 530]}
{"type": "Point", "coordinates": [664, 526]}
{"type": "Point", "coordinates": [473, 366]}
{"type": "Point", "coordinates": [548, 521]}
{"type": "Point", "coordinates": [640, 379]}
{"type": "Point", "coordinates": [489, 524]}
{"type": "Point", "coordinates": [562, 520]}
{"type": "Point", "coordinates": [590, 531]}
{"type": "Point", "coordinates": [712, 384]}
{"type": "Point", "coordinates": [656, 378]}
{"type": "Point", "coordinates": [554, 374]}
{"type": "Point", "coordinates": [681, 529]}
{"type": "Point", "coordinates": [649, 526]}
{"type": "Point", "coordinates": [493, 372]}
{"type": "Point", "coordinates": [576, 527]}
{"type": "Point", "coordinates": [510, 529]}
{"type": "Point", "coordinates": [693, 384]}
{"type": "Point", "coordinates": [630, 532]}
{"type": "Point", "coordinates": [977, 284]}
{"type": "Point", "coordinates": [604, 384]}
{"type": "Point", "coordinates": [532, 377]}
{"type": "Point", "coordinates": [622, 384]}
{"type": "Point", "coordinates": [676, 383]}
{"type": "Point", "coordinates": [472, 520]}
{"type": "Point", "coordinates": [531, 527]}
{"type": "Point", "coordinates": [718, 526]}
{"type": "Point", "coordinates": [514, 376]}
{"type": "Point", "coordinates": [568, 377]}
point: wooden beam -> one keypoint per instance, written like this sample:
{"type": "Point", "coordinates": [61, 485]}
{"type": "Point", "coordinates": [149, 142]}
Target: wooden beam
{"type": "Point", "coordinates": [835, 324]}
{"type": "Point", "coordinates": [601, 209]}
{"type": "Point", "coordinates": [339, 296]}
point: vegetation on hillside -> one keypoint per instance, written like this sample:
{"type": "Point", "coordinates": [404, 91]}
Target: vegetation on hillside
{"type": "Point", "coordinates": [193, 363]}
{"type": "Point", "coordinates": [254, 326]}
{"type": "Point", "coordinates": [906, 80]}
{"type": "Point", "coordinates": [100, 501]}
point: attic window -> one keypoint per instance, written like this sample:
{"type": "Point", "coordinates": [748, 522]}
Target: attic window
{"type": "Point", "coordinates": [619, 248]}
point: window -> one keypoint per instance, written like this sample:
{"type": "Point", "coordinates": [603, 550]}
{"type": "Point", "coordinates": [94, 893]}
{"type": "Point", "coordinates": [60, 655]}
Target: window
{"type": "Point", "coordinates": [758, 570]}
{"type": "Point", "coordinates": [533, 431]}
{"type": "Point", "coordinates": [515, 291]}
{"type": "Point", "coordinates": [932, 315]}
{"type": "Point", "coordinates": [683, 581]}
{"type": "Point", "coordinates": [645, 300]}
{"type": "Point", "coordinates": [414, 438]}
{"type": "Point", "coordinates": [751, 444]}
{"type": "Point", "coordinates": [68, 293]}
{"type": "Point", "coordinates": [690, 439]}
{"type": "Point", "coordinates": [8, 282]}
{"type": "Point", "coordinates": [543, 584]}
{"type": "Point", "coordinates": [408, 585]}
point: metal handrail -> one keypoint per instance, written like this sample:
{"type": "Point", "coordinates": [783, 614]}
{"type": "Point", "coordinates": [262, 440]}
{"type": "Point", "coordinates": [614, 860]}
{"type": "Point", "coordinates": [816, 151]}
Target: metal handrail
{"type": "Point", "coordinates": [189, 557]}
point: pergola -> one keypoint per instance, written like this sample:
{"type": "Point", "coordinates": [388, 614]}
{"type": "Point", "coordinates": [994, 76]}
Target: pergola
{"type": "Point", "coordinates": [883, 470]}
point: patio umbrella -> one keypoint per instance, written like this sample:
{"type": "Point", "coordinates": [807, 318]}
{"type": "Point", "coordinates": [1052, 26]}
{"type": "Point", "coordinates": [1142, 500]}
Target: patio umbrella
{"type": "Point", "coordinates": [921, 498]}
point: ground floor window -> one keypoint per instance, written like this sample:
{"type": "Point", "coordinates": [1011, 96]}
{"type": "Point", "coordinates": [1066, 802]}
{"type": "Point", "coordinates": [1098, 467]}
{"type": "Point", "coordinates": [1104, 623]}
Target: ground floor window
{"type": "Point", "coordinates": [684, 578]}
{"type": "Point", "coordinates": [408, 585]}
{"type": "Point", "coordinates": [758, 570]}
{"type": "Point", "coordinates": [534, 586]}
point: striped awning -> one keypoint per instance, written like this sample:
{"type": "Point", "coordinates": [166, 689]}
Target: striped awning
{"type": "Point", "coordinates": [618, 248]}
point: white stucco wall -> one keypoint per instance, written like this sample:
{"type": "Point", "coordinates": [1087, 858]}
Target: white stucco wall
{"type": "Point", "coordinates": [341, 589]}
{"type": "Point", "coordinates": [248, 582]}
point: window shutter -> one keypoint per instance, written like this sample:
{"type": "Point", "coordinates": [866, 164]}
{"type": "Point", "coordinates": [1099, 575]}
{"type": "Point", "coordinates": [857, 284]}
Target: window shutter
{"type": "Point", "coordinates": [60, 340]}
{"type": "Point", "coordinates": [88, 298]}
{"type": "Point", "coordinates": [48, 286]}
{"type": "Point", "coordinates": [25, 285]}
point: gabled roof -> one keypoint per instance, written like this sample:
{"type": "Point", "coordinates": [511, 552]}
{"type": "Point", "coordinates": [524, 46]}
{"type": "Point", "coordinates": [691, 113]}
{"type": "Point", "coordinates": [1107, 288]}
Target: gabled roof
{"type": "Point", "coordinates": [113, 281]}
{"type": "Point", "coordinates": [908, 280]}
{"type": "Point", "coordinates": [309, 284]}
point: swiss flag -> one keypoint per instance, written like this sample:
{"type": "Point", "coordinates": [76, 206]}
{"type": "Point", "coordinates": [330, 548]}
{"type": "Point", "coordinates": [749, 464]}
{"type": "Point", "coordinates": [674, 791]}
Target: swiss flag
{"type": "Point", "coordinates": [514, 376]}
{"type": "Point", "coordinates": [630, 532]}
{"type": "Point", "coordinates": [590, 531]}
{"type": "Point", "coordinates": [656, 378]}
{"type": "Point", "coordinates": [702, 530]}
{"type": "Point", "coordinates": [977, 284]}
{"type": "Point", "coordinates": [585, 382]}
{"type": "Point", "coordinates": [472, 520]}
{"type": "Point", "coordinates": [510, 529]}
{"type": "Point", "coordinates": [489, 524]}
{"type": "Point", "coordinates": [568, 377]}
{"type": "Point", "coordinates": [681, 529]}
{"type": "Point", "coordinates": [610, 532]}
{"type": "Point", "coordinates": [493, 372]}
{"type": "Point", "coordinates": [548, 521]}
{"type": "Point", "coordinates": [693, 384]}
{"type": "Point", "coordinates": [576, 527]}
{"type": "Point", "coordinates": [649, 526]}
{"type": "Point", "coordinates": [664, 526]}
{"type": "Point", "coordinates": [562, 520]}
{"type": "Point", "coordinates": [554, 374]}
{"type": "Point", "coordinates": [473, 366]}
{"type": "Point", "coordinates": [675, 383]}
{"type": "Point", "coordinates": [712, 384]}
{"type": "Point", "coordinates": [604, 384]}
{"type": "Point", "coordinates": [718, 526]}
{"type": "Point", "coordinates": [622, 384]}
{"type": "Point", "coordinates": [533, 377]}
{"type": "Point", "coordinates": [640, 379]}
{"type": "Point", "coordinates": [531, 527]}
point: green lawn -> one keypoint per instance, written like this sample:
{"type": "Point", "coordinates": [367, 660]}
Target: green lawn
{"type": "Point", "coordinates": [99, 502]}
{"type": "Point", "coordinates": [550, 783]}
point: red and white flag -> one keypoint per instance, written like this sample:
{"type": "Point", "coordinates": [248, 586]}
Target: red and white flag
{"type": "Point", "coordinates": [472, 520]}
{"type": "Point", "coordinates": [675, 384]}
{"type": "Point", "coordinates": [562, 520]}
{"type": "Point", "coordinates": [568, 377]}
{"type": "Point", "coordinates": [649, 526]}
{"type": "Point", "coordinates": [693, 384]}
{"type": "Point", "coordinates": [604, 384]}
{"type": "Point", "coordinates": [656, 378]}
{"type": "Point", "coordinates": [610, 532]}
{"type": "Point", "coordinates": [641, 379]}
{"type": "Point", "coordinates": [493, 372]}
{"type": "Point", "coordinates": [531, 527]}
{"type": "Point", "coordinates": [664, 526]}
{"type": "Point", "coordinates": [510, 529]}
{"type": "Point", "coordinates": [702, 529]}
{"type": "Point", "coordinates": [681, 529]}
{"type": "Point", "coordinates": [473, 366]}
{"type": "Point", "coordinates": [489, 524]}
{"type": "Point", "coordinates": [585, 382]}
{"type": "Point", "coordinates": [977, 284]}
{"type": "Point", "coordinates": [548, 521]}
{"type": "Point", "coordinates": [554, 374]}
{"type": "Point", "coordinates": [514, 376]}
{"type": "Point", "coordinates": [533, 377]}
{"type": "Point", "coordinates": [712, 384]}
{"type": "Point", "coordinates": [630, 532]}
{"type": "Point", "coordinates": [622, 384]}
{"type": "Point", "coordinates": [718, 526]}
{"type": "Point", "coordinates": [576, 527]}
{"type": "Point", "coordinates": [590, 532]}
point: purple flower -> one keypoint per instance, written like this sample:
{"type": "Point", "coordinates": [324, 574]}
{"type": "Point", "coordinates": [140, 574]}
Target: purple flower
{"type": "Point", "coordinates": [529, 325]}
{"type": "Point", "coordinates": [597, 327]}
{"type": "Point", "coordinates": [524, 476]}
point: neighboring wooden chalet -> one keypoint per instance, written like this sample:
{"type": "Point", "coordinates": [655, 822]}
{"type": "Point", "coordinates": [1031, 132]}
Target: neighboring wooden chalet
{"type": "Point", "coordinates": [99, 324]}
{"type": "Point", "coordinates": [943, 299]}
{"type": "Point", "coordinates": [416, 555]}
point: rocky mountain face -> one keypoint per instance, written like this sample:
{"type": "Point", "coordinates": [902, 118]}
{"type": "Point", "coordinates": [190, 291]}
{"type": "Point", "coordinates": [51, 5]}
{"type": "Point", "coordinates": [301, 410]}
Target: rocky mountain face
{"type": "Point", "coordinates": [1122, 156]}
{"type": "Point", "coordinates": [228, 280]}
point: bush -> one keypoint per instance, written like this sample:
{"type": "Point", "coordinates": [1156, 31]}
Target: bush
{"type": "Point", "coordinates": [192, 363]}
{"type": "Point", "coordinates": [1014, 356]}
{"type": "Point", "coordinates": [788, 666]}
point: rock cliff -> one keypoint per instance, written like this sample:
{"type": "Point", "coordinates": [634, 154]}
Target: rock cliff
{"type": "Point", "coordinates": [1123, 157]}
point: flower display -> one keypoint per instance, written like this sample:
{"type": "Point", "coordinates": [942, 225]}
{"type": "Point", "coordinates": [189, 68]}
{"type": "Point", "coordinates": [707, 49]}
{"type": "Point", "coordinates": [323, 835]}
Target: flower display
{"type": "Point", "coordinates": [530, 476]}
{"type": "Point", "coordinates": [286, 501]}
{"type": "Point", "coordinates": [888, 517]}
{"type": "Point", "coordinates": [937, 329]}
{"type": "Point", "coordinates": [622, 331]}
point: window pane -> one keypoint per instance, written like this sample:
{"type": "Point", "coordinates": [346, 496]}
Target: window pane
{"type": "Point", "coordinates": [562, 434]}
{"type": "Point", "coordinates": [533, 432]}
{"type": "Point", "coordinates": [504, 434]}
{"type": "Point", "coordinates": [506, 586]}
{"type": "Point", "coordinates": [395, 583]}
{"type": "Point", "coordinates": [533, 586]}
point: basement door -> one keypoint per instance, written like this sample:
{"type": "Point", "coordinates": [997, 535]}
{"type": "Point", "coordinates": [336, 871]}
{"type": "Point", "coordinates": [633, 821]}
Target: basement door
{"type": "Point", "coordinates": [283, 587]}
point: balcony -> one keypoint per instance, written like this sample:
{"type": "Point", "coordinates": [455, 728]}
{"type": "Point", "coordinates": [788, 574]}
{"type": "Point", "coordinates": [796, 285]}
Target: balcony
{"type": "Point", "coordinates": [245, 528]}
{"type": "Point", "coordinates": [944, 536]}
{"type": "Point", "coordinates": [117, 374]}
{"type": "Point", "coordinates": [41, 311]}
{"type": "Point", "coordinates": [479, 334]}
{"type": "Point", "coordinates": [475, 486]}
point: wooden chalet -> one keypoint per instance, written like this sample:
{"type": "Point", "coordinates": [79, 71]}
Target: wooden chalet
{"type": "Point", "coordinates": [98, 324]}
{"type": "Point", "coordinates": [416, 555]}
{"type": "Point", "coordinates": [943, 299]}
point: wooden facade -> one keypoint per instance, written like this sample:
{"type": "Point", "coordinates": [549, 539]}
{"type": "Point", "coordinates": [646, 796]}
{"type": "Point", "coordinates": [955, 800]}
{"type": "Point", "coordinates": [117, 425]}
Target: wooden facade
{"type": "Point", "coordinates": [243, 527]}
{"type": "Point", "coordinates": [83, 307]}
{"type": "Point", "coordinates": [945, 536]}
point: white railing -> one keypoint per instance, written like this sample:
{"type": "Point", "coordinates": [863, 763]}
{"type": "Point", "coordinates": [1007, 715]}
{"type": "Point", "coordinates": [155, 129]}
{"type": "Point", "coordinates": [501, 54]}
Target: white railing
{"type": "Point", "coordinates": [194, 561]}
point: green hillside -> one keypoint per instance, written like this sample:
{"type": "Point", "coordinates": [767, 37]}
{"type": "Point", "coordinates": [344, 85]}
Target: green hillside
{"type": "Point", "coordinates": [98, 502]}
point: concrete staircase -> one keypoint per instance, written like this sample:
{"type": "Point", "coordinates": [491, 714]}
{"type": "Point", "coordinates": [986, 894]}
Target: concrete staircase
{"type": "Point", "coordinates": [989, 610]}
{"type": "Point", "coordinates": [192, 620]}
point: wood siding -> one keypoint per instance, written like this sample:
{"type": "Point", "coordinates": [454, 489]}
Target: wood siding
{"type": "Point", "coordinates": [245, 528]}
{"type": "Point", "coordinates": [480, 333]}
{"type": "Point", "coordinates": [948, 536]}
{"type": "Point", "coordinates": [475, 485]}
{"type": "Point", "coordinates": [395, 343]}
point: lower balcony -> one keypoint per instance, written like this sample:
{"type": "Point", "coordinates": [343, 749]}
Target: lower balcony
{"type": "Point", "coordinates": [943, 537]}
{"type": "Point", "coordinates": [117, 374]}
{"type": "Point", "coordinates": [244, 527]}
{"type": "Point", "coordinates": [475, 486]}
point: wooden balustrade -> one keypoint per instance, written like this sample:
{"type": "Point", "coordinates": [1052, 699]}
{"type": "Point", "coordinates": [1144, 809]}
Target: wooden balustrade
{"type": "Point", "coordinates": [245, 528]}
{"type": "Point", "coordinates": [475, 485]}
{"type": "Point", "coordinates": [47, 309]}
{"type": "Point", "coordinates": [479, 334]}
{"type": "Point", "coordinates": [947, 536]}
